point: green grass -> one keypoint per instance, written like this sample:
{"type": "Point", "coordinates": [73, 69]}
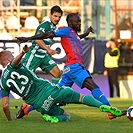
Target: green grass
{"type": "Point", "coordinates": [83, 120]}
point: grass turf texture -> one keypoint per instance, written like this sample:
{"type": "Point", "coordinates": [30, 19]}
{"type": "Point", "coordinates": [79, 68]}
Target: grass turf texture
{"type": "Point", "coordinates": [83, 120]}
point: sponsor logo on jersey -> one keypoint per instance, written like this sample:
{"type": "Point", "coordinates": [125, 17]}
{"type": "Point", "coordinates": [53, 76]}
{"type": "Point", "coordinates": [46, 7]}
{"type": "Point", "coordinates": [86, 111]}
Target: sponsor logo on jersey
{"type": "Point", "coordinates": [51, 62]}
{"type": "Point", "coordinates": [48, 103]}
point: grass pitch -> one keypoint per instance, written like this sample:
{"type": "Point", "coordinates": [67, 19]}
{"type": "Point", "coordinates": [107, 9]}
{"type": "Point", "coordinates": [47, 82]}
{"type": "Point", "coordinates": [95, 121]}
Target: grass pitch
{"type": "Point", "coordinates": [83, 120]}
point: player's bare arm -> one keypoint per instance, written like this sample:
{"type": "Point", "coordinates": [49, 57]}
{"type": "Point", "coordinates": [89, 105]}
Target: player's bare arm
{"type": "Point", "coordinates": [35, 37]}
{"type": "Point", "coordinates": [18, 58]}
{"type": "Point", "coordinates": [6, 108]}
{"type": "Point", "coordinates": [90, 29]}
{"type": "Point", "coordinates": [41, 44]}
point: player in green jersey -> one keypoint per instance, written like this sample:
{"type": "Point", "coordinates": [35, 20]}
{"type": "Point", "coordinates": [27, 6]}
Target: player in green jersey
{"type": "Point", "coordinates": [40, 93]}
{"type": "Point", "coordinates": [40, 53]}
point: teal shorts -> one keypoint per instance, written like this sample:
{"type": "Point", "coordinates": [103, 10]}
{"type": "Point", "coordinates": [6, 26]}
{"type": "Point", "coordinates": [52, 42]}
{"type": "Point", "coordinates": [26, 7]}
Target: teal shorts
{"type": "Point", "coordinates": [46, 102]}
{"type": "Point", "coordinates": [33, 62]}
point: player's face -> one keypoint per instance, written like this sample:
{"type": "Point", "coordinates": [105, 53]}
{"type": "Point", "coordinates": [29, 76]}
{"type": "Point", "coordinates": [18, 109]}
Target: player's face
{"type": "Point", "coordinates": [76, 23]}
{"type": "Point", "coordinates": [55, 18]}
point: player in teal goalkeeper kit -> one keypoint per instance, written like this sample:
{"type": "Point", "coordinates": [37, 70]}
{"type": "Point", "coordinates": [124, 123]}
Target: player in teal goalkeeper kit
{"type": "Point", "coordinates": [40, 93]}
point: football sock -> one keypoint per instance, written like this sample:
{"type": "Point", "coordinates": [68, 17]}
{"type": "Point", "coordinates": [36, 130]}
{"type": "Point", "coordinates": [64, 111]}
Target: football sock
{"type": "Point", "coordinates": [62, 118]}
{"type": "Point", "coordinates": [87, 100]}
{"type": "Point", "coordinates": [100, 96]}
{"type": "Point", "coordinates": [30, 108]}
{"type": "Point", "coordinates": [90, 101]}
{"type": "Point", "coordinates": [55, 80]}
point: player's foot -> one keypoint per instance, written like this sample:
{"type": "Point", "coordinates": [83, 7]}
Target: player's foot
{"type": "Point", "coordinates": [22, 111]}
{"type": "Point", "coordinates": [51, 119]}
{"type": "Point", "coordinates": [110, 109]}
{"type": "Point", "coordinates": [111, 116]}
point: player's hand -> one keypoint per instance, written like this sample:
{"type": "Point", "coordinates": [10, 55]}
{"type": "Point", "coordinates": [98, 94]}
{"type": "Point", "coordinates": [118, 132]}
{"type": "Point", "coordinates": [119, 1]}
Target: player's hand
{"type": "Point", "coordinates": [51, 52]}
{"type": "Point", "coordinates": [90, 29]}
{"type": "Point", "coordinates": [22, 39]}
{"type": "Point", "coordinates": [25, 49]}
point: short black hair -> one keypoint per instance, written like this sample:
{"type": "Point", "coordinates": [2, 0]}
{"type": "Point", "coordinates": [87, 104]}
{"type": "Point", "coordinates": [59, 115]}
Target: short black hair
{"type": "Point", "coordinates": [56, 9]}
{"type": "Point", "coordinates": [70, 16]}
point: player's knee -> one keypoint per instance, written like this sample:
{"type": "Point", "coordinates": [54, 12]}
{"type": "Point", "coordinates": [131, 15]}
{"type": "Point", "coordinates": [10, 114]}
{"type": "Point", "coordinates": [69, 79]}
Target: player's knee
{"type": "Point", "coordinates": [68, 91]}
{"type": "Point", "coordinates": [90, 84]}
{"type": "Point", "coordinates": [57, 74]}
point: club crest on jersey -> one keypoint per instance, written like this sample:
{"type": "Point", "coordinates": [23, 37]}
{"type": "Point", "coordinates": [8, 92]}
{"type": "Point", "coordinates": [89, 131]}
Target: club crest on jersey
{"type": "Point", "coordinates": [51, 62]}
{"type": "Point", "coordinates": [66, 70]}
{"type": "Point", "coordinates": [42, 29]}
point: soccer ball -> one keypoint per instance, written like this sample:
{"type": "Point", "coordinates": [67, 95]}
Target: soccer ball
{"type": "Point", "coordinates": [130, 113]}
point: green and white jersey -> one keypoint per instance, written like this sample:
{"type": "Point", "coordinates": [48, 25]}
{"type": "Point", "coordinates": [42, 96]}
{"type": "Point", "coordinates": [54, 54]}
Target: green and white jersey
{"type": "Point", "coordinates": [45, 26]}
{"type": "Point", "coordinates": [26, 84]}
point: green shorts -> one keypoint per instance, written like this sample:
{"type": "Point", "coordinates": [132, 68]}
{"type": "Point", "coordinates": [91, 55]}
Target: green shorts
{"type": "Point", "coordinates": [33, 62]}
{"type": "Point", "coordinates": [46, 100]}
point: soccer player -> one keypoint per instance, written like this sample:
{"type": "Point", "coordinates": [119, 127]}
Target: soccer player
{"type": "Point", "coordinates": [74, 71]}
{"type": "Point", "coordinates": [40, 93]}
{"type": "Point", "coordinates": [40, 53]}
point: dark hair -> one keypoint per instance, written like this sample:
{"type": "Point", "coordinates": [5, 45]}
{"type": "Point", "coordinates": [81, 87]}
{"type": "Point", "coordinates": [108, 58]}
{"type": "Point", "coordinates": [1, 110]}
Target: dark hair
{"type": "Point", "coordinates": [56, 9]}
{"type": "Point", "coordinates": [70, 16]}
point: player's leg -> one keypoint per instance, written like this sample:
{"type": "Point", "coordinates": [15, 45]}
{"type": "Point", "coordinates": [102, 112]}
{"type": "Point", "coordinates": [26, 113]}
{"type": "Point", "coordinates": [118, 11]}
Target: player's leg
{"type": "Point", "coordinates": [67, 95]}
{"type": "Point", "coordinates": [49, 66]}
{"type": "Point", "coordinates": [56, 73]}
{"type": "Point", "coordinates": [83, 78]}
{"type": "Point", "coordinates": [56, 114]}
{"type": "Point", "coordinates": [95, 90]}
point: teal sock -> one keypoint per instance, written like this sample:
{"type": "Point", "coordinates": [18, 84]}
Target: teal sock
{"type": "Point", "coordinates": [87, 100]}
{"type": "Point", "coordinates": [55, 80]}
{"type": "Point", "coordinates": [62, 118]}
{"type": "Point", "coordinates": [90, 101]}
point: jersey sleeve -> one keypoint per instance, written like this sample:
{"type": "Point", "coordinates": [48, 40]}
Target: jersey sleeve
{"type": "Point", "coordinates": [62, 32]}
{"type": "Point", "coordinates": [43, 27]}
{"type": "Point", "coordinates": [19, 65]}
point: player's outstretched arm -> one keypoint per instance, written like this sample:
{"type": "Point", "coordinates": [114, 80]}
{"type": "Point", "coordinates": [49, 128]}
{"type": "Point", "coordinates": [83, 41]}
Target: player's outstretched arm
{"type": "Point", "coordinates": [36, 37]}
{"type": "Point", "coordinates": [90, 29]}
{"type": "Point", "coordinates": [18, 58]}
{"type": "Point", "coordinates": [22, 39]}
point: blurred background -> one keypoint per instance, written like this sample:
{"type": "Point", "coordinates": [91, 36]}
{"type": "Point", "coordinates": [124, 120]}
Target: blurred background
{"type": "Point", "coordinates": [109, 18]}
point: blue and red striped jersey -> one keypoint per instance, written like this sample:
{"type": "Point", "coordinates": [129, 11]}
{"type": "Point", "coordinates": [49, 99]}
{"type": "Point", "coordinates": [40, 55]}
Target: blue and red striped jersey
{"type": "Point", "coordinates": [71, 44]}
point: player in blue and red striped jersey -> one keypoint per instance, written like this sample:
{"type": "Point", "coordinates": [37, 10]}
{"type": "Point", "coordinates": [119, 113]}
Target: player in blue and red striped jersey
{"type": "Point", "coordinates": [74, 71]}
